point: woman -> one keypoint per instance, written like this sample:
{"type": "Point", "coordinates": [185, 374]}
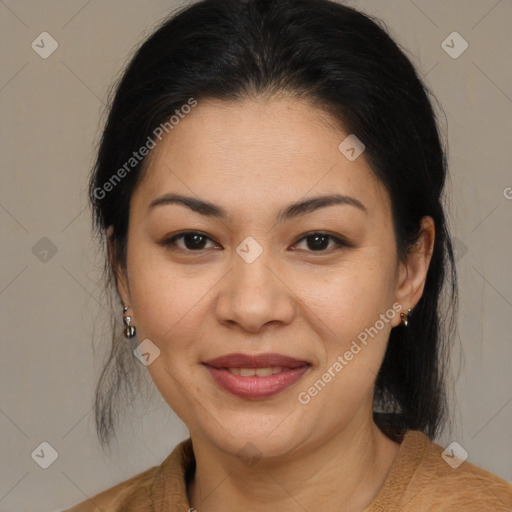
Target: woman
{"type": "Point", "coordinates": [269, 182]}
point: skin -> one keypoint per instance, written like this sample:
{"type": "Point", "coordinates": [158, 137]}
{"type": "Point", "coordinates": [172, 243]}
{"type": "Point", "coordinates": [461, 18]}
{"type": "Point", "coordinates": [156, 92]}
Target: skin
{"type": "Point", "coordinates": [254, 158]}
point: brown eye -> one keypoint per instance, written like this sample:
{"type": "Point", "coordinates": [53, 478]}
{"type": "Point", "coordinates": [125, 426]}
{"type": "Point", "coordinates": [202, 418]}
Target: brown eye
{"type": "Point", "coordinates": [193, 241]}
{"type": "Point", "coordinates": [319, 242]}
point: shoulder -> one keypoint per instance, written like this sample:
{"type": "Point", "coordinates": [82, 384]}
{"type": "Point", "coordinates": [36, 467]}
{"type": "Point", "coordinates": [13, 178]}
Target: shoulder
{"type": "Point", "coordinates": [443, 482]}
{"type": "Point", "coordinates": [164, 484]}
{"type": "Point", "coordinates": [110, 500]}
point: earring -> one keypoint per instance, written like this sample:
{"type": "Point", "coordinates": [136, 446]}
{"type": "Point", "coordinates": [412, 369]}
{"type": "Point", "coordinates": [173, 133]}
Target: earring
{"type": "Point", "coordinates": [129, 330]}
{"type": "Point", "coordinates": [405, 317]}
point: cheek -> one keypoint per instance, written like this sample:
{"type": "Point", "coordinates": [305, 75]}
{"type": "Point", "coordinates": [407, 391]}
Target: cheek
{"type": "Point", "coordinates": [352, 297]}
{"type": "Point", "coordinates": [167, 308]}
{"type": "Point", "coordinates": [170, 312]}
{"type": "Point", "coordinates": [160, 298]}
{"type": "Point", "coordinates": [354, 306]}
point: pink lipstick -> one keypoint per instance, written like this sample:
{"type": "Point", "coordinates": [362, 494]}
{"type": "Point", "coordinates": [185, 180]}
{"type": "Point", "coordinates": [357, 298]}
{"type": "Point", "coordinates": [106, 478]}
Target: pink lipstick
{"type": "Point", "coordinates": [256, 376]}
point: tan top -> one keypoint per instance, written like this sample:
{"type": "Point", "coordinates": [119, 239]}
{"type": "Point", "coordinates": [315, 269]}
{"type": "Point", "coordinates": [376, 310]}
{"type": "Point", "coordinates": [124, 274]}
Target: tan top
{"type": "Point", "coordinates": [419, 481]}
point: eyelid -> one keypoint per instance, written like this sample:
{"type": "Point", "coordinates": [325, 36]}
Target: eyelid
{"type": "Point", "coordinates": [339, 241]}
{"type": "Point", "coordinates": [171, 241]}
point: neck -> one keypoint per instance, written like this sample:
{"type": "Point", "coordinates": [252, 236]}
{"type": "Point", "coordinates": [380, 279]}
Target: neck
{"type": "Point", "coordinates": [349, 467]}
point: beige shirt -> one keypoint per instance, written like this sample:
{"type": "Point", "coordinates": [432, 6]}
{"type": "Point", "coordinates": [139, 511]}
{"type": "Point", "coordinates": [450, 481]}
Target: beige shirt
{"type": "Point", "coordinates": [419, 481]}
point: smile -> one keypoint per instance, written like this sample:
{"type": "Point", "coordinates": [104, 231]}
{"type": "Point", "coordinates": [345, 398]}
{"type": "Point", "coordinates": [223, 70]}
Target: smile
{"type": "Point", "coordinates": [259, 372]}
{"type": "Point", "coordinates": [254, 386]}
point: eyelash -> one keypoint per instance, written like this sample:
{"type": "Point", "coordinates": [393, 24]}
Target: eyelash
{"type": "Point", "coordinates": [171, 242]}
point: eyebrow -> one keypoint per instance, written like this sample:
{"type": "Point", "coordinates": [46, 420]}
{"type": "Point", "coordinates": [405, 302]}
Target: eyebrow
{"type": "Point", "coordinates": [292, 211]}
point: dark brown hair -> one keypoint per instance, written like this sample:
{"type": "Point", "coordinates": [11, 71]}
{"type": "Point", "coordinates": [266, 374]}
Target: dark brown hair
{"type": "Point", "coordinates": [342, 60]}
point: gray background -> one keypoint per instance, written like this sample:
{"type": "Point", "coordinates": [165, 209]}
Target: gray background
{"type": "Point", "coordinates": [51, 304]}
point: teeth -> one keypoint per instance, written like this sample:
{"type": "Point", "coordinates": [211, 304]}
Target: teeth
{"type": "Point", "coordinates": [263, 372]}
{"type": "Point", "coordinates": [259, 372]}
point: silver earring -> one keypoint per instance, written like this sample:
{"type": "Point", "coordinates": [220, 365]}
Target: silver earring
{"type": "Point", "coordinates": [129, 330]}
{"type": "Point", "coordinates": [405, 317]}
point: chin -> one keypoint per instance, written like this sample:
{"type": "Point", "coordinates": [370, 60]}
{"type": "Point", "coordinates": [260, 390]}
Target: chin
{"type": "Point", "coordinates": [257, 440]}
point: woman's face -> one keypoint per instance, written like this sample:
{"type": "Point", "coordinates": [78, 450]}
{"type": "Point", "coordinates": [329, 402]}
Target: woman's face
{"type": "Point", "coordinates": [256, 280]}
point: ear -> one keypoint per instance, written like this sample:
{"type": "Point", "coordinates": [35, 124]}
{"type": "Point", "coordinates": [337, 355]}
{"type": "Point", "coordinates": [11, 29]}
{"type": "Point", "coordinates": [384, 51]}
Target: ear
{"type": "Point", "coordinates": [120, 275]}
{"type": "Point", "coordinates": [412, 273]}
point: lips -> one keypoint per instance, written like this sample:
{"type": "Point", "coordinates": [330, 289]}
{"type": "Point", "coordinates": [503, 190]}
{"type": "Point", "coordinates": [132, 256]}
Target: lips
{"type": "Point", "coordinates": [269, 360]}
{"type": "Point", "coordinates": [256, 377]}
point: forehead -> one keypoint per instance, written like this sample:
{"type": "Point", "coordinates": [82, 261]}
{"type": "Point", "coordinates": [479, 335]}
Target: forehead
{"type": "Point", "coordinates": [254, 151]}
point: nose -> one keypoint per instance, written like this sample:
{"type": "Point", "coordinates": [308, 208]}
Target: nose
{"type": "Point", "coordinates": [254, 295]}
